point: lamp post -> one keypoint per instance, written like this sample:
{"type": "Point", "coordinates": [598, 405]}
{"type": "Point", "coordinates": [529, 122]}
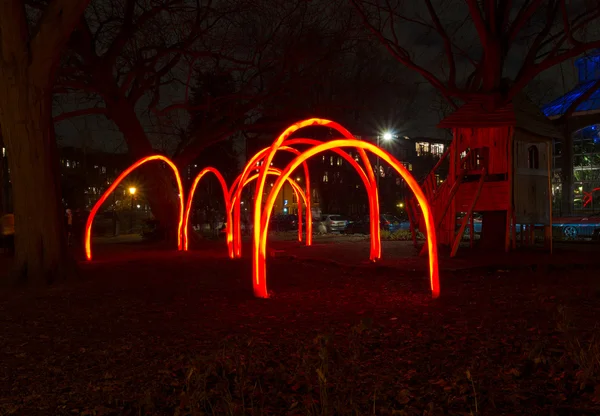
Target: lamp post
{"type": "Point", "coordinates": [132, 193]}
{"type": "Point", "coordinates": [387, 136]}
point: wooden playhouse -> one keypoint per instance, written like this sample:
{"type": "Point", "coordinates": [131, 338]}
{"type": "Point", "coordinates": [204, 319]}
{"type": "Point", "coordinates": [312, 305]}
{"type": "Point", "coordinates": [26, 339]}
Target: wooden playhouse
{"type": "Point", "coordinates": [500, 166]}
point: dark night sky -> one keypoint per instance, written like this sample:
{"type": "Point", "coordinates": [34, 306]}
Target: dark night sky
{"type": "Point", "coordinates": [96, 132]}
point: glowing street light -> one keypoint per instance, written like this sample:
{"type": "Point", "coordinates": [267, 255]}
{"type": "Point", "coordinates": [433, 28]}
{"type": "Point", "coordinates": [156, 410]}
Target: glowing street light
{"type": "Point", "coordinates": [387, 136]}
{"type": "Point", "coordinates": [132, 191]}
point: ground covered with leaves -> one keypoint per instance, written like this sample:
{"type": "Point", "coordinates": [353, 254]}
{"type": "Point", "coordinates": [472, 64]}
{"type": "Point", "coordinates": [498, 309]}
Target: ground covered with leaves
{"type": "Point", "coordinates": [151, 332]}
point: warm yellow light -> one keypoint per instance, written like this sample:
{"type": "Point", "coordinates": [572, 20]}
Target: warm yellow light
{"type": "Point", "coordinates": [401, 205]}
{"type": "Point", "coordinates": [132, 190]}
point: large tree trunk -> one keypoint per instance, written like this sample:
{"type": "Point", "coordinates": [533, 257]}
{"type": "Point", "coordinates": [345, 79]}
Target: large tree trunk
{"type": "Point", "coordinates": [158, 183]}
{"type": "Point", "coordinates": [41, 255]}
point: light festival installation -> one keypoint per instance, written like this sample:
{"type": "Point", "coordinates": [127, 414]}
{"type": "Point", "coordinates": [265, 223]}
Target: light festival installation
{"type": "Point", "coordinates": [113, 186]}
{"type": "Point", "coordinates": [262, 162]}
{"type": "Point", "coordinates": [261, 216]}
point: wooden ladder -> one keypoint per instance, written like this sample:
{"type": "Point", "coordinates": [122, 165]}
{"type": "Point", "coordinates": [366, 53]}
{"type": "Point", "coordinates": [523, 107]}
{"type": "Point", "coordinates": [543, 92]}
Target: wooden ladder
{"type": "Point", "coordinates": [469, 215]}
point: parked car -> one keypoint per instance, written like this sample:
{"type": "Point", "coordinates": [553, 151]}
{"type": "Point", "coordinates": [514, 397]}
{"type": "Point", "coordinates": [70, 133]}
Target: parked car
{"type": "Point", "coordinates": [334, 222]}
{"type": "Point", "coordinates": [587, 226]}
{"type": "Point", "coordinates": [283, 222]}
{"type": "Point", "coordinates": [387, 222]}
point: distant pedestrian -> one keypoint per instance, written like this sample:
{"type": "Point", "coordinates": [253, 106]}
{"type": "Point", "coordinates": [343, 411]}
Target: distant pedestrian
{"type": "Point", "coordinates": [69, 219]}
{"type": "Point", "coordinates": [8, 233]}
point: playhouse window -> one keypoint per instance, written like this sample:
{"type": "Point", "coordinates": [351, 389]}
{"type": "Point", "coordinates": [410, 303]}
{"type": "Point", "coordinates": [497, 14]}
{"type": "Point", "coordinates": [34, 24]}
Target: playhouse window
{"type": "Point", "coordinates": [533, 157]}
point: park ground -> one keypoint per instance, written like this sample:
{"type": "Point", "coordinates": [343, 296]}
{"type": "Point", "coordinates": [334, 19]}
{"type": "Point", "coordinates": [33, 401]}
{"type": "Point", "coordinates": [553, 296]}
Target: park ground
{"type": "Point", "coordinates": [151, 331]}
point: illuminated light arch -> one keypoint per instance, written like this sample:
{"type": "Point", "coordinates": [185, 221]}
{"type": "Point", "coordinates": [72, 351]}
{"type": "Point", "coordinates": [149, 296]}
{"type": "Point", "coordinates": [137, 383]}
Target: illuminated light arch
{"type": "Point", "coordinates": [375, 252]}
{"type": "Point", "coordinates": [111, 188]}
{"type": "Point", "coordinates": [268, 158]}
{"type": "Point", "coordinates": [297, 190]}
{"type": "Point", "coordinates": [235, 233]}
{"type": "Point", "coordinates": [260, 233]}
{"type": "Point", "coordinates": [190, 199]}
{"type": "Point", "coordinates": [259, 290]}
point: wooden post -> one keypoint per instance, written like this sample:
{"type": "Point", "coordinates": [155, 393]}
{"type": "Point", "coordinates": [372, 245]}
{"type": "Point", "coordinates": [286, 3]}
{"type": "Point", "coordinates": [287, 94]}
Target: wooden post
{"type": "Point", "coordinates": [514, 230]}
{"type": "Point", "coordinates": [522, 234]}
{"type": "Point", "coordinates": [549, 144]}
{"type": "Point", "coordinates": [510, 169]}
{"type": "Point", "coordinates": [471, 231]}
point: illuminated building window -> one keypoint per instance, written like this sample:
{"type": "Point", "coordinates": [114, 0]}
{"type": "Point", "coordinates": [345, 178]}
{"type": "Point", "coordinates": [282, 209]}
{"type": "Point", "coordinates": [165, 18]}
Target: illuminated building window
{"type": "Point", "coordinates": [422, 148]}
{"type": "Point", "coordinates": [331, 160]}
{"type": "Point", "coordinates": [3, 152]}
{"type": "Point", "coordinates": [68, 164]}
{"type": "Point", "coordinates": [325, 177]}
{"type": "Point", "coordinates": [437, 149]}
{"type": "Point", "coordinates": [339, 161]}
{"type": "Point", "coordinates": [103, 169]}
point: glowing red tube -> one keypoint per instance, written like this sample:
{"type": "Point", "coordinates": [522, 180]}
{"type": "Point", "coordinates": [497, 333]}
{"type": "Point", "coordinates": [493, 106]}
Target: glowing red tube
{"type": "Point", "coordinates": [375, 253]}
{"type": "Point", "coordinates": [236, 190]}
{"type": "Point", "coordinates": [113, 186]}
{"type": "Point", "coordinates": [297, 190]}
{"type": "Point", "coordinates": [259, 269]}
{"type": "Point", "coordinates": [188, 206]}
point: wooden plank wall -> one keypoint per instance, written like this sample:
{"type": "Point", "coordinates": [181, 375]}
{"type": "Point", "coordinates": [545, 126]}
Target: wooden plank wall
{"type": "Point", "coordinates": [531, 184]}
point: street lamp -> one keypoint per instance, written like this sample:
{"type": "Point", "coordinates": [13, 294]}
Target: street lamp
{"type": "Point", "coordinates": [387, 136]}
{"type": "Point", "coordinates": [132, 193]}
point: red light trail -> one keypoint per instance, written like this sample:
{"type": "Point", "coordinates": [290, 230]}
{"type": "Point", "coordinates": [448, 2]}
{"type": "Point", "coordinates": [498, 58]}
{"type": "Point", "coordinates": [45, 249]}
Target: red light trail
{"type": "Point", "coordinates": [113, 186]}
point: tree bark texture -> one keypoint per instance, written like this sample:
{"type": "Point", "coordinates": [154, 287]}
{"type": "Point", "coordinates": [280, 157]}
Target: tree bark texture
{"type": "Point", "coordinates": [25, 117]}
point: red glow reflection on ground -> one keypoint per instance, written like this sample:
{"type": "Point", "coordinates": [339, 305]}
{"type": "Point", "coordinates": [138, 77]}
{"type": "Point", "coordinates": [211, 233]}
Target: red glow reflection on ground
{"type": "Point", "coordinates": [113, 186]}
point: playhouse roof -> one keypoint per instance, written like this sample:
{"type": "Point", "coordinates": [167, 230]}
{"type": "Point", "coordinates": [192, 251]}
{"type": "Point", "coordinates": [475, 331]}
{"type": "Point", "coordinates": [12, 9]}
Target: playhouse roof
{"type": "Point", "coordinates": [521, 113]}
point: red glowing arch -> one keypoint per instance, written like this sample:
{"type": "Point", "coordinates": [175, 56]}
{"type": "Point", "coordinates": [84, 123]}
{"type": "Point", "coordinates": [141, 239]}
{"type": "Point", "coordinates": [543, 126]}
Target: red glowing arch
{"type": "Point", "coordinates": [188, 206]}
{"type": "Point", "coordinates": [261, 221]}
{"type": "Point", "coordinates": [113, 186]}
{"type": "Point", "coordinates": [235, 233]}
{"type": "Point", "coordinates": [297, 190]}
{"type": "Point", "coordinates": [260, 287]}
